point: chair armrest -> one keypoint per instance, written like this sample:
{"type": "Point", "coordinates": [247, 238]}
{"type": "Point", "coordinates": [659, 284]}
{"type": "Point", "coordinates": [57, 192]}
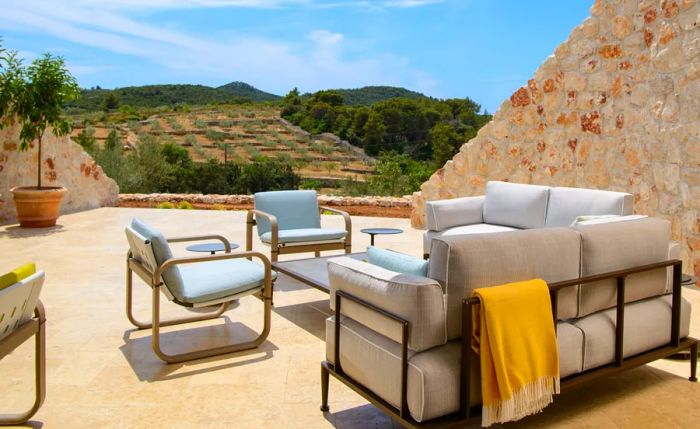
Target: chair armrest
{"type": "Point", "coordinates": [267, 292]}
{"type": "Point", "coordinates": [444, 214]}
{"type": "Point", "coordinates": [227, 244]}
{"type": "Point", "coordinates": [250, 222]}
{"type": "Point", "coordinates": [346, 217]}
{"type": "Point", "coordinates": [417, 300]}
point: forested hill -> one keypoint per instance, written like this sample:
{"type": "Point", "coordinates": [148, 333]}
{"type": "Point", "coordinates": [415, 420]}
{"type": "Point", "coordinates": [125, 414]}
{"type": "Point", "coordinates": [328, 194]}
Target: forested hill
{"type": "Point", "coordinates": [166, 95]}
{"type": "Point", "coordinates": [369, 95]}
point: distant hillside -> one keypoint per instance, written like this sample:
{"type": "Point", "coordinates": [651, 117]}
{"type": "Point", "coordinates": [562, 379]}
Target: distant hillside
{"type": "Point", "coordinates": [161, 95]}
{"type": "Point", "coordinates": [368, 95]}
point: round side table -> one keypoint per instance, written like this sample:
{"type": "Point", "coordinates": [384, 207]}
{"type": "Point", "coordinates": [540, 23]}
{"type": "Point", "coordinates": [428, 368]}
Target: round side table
{"type": "Point", "coordinates": [380, 231]}
{"type": "Point", "coordinates": [210, 247]}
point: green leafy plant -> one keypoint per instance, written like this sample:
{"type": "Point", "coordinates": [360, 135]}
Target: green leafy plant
{"type": "Point", "coordinates": [34, 96]}
{"type": "Point", "coordinates": [184, 205]}
{"type": "Point", "coordinates": [165, 205]}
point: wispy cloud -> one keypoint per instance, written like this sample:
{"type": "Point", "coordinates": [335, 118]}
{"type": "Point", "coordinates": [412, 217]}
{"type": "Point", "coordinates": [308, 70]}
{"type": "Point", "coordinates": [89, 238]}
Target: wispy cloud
{"type": "Point", "coordinates": [315, 60]}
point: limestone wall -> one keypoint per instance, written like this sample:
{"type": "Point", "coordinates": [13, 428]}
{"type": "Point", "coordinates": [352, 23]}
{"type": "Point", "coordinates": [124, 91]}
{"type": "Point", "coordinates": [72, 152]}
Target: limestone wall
{"type": "Point", "coordinates": [64, 164]}
{"type": "Point", "coordinates": [616, 107]}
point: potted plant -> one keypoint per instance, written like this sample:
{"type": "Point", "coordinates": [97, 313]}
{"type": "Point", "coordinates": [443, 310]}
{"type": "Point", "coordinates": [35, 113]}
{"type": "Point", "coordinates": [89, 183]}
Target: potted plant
{"type": "Point", "coordinates": [33, 97]}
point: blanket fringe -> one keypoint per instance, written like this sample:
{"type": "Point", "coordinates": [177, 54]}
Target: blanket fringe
{"type": "Point", "coordinates": [529, 399]}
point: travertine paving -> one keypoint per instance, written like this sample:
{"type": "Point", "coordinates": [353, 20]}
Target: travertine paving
{"type": "Point", "coordinates": [103, 374]}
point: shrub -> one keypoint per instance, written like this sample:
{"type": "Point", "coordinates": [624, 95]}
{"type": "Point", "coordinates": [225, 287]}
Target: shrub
{"type": "Point", "coordinates": [165, 205]}
{"type": "Point", "coordinates": [184, 205]}
{"type": "Point", "coordinates": [218, 207]}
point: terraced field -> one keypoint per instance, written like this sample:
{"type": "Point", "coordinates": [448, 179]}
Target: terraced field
{"type": "Point", "coordinates": [239, 135]}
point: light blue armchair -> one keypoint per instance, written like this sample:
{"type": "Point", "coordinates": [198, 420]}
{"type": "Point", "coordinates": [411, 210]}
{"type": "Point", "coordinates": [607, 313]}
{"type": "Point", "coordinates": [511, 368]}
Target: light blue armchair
{"type": "Point", "coordinates": [196, 282]}
{"type": "Point", "coordinates": [290, 222]}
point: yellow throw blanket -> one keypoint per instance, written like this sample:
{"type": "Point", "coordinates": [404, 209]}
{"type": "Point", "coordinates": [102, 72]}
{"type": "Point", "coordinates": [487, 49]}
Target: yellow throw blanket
{"type": "Point", "coordinates": [515, 339]}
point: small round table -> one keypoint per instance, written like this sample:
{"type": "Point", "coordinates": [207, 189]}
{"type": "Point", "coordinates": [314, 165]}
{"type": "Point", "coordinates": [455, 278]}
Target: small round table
{"type": "Point", "coordinates": [380, 231]}
{"type": "Point", "coordinates": [210, 247]}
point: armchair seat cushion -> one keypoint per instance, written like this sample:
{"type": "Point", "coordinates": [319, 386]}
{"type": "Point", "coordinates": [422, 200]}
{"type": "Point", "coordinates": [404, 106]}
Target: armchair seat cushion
{"type": "Point", "coordinates": [304, 235]}
{"type": "Point", "coordinates": [209, 281]}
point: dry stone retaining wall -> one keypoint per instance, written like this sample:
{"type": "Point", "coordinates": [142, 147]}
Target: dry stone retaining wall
{"type": "Point", "coordinates": [616, 107]}
{"type": "Point", "coordinates": [64, 163]}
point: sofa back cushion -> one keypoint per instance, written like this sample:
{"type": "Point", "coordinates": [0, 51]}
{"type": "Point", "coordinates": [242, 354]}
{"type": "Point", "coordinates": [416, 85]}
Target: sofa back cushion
{"type": "Point", "coordinates": [443, 214]}
{"type": "Point", "coordinates": [620, 245]}
{"type": "Point", "coordinates": [464, 263]}
{"type": "Point", "coordinates": [515, 204]}
{"type": "Point", "coordinates": [566, 204]}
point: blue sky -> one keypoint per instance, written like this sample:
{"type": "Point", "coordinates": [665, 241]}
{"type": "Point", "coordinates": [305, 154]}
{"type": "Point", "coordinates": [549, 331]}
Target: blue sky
{"type": "Point", "coordinates": [482, 49]}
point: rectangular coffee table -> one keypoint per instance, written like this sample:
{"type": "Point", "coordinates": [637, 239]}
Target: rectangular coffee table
{"type": "Point", "coordinates": [311, 271]}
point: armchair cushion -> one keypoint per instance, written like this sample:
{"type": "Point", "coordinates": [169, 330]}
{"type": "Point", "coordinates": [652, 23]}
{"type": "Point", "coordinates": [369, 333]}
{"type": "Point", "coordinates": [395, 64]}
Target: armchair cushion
{"type": "Point", "coordinates": [303, 235]}
{"type": "Point", "coordinates": [293, 210]}
{"type": "Point", "coordinates": [444, 214]}
{"type": "Point", "coordinates": [208, 281]}
{"type": "Point", "coordinates": [418, 300]}
{"type": "Point", "coordinates": [397, 262]}
{"type": "Point", "coordinates": [517, 205]}
{"type": "Point", "coordinates": [162, 252]}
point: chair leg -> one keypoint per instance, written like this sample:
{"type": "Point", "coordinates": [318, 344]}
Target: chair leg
{"type": "Point", "coordinates": [199, 354]}
{"type": "Point", "coordinates": [39, 381]}
{"type": "Point", "coordinates": [317, 254]}
{"type": "Point", "coordinates": [694, 362]}
{"type": "Point", "coordinates": [145, 325]}
{"type": "Point", "coordinates": [324, 389]}
{"type": "Point", "coordinates": [274, 255]}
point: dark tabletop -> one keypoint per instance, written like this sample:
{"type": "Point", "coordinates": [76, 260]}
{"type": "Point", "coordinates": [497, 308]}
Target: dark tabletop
{"type": "Point", "coordinates": [210, 247]}
{"type": "Point", "coordinates": [381, 230]}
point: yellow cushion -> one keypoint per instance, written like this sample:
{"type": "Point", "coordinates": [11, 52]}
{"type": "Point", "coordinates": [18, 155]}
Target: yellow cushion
{"type": "Point", "coordinates": [16, 275]}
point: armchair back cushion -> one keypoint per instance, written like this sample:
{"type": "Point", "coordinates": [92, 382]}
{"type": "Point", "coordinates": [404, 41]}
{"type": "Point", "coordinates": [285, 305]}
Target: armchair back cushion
{"type": "Point", "coordinates": [18, 298]}
{"type": "Point", "coordinates": [416, 299]}
{"type": "Point", "coordinates": [619, 245]}
{"type": "Point", "coordinates": [566, 204]}
{"type": "Point", "coordinates": [293, 209]}
{"type": "Point", "coordinates": [462, 264]}
{"type": "Point", "coordinates": [161, 252]}
{"type": "Point", "coordinates": [517, 205]}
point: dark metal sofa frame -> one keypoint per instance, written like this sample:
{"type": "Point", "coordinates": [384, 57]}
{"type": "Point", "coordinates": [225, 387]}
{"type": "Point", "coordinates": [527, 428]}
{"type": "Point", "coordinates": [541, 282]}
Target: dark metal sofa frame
{"type": "Point", "coordinates": [466, 412]}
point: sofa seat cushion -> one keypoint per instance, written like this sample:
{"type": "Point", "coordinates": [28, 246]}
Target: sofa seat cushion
{"type": "Point", "coordinates": [566, 204]}
{"type": "Point", "coordinates": [515, 204]}
{"type": "Point", "coordinates": [374, 361]}
{"type": "Point", "coordinates": [477, 228]}
{"type": "Point", "coordinates": [209, 281]}
{"type": "Point", "coordinates": [647, 326]}
{"type": "Point", "coordinates": [304, 235]}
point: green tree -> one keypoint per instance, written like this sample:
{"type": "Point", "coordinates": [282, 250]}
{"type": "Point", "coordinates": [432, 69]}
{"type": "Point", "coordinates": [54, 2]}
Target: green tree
{"type": "Point", "coordinates": [445, 142]}
{"type": "Point", "coordinates": [110, 102]}
{"type": "Point", "coordinates": [35, 97]}
{"type": "Point", "coordinates": [113, 142]}
{"type": "Point", "coordinates": [374, 132]}
{"type": "Point", "coordinates": [267, 174]}
{"type": "Point", "coordinates": [86, 139]}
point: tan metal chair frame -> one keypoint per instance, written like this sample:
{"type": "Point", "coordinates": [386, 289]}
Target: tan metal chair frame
{"type": "Point", "coordinates": [155, 282]}
{"type": "Point", "coordinates": [276, 248]}
{"type": "Point", "coordinates": [32, 328]}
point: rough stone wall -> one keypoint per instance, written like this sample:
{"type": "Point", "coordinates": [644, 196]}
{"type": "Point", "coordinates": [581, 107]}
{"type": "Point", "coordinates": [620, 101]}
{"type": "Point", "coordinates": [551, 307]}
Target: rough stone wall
{"type": "Point", "coordinates": [616, 107]}
{"type": "Point", "coordinates": [64, 164]}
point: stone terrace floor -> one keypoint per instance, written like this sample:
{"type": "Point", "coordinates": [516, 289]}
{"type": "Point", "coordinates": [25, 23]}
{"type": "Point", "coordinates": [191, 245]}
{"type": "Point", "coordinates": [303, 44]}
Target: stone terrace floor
{"type": "Point", "coordinates": [103, 373]}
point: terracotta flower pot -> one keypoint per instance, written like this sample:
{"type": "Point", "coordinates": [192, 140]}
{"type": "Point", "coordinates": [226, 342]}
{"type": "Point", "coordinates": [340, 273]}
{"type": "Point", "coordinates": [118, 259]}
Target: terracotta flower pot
{"type": "Point", "coordinates": [37, 208]}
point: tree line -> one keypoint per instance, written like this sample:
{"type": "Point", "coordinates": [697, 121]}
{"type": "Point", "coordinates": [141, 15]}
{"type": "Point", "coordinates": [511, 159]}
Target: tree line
{"type": "Point", "coordinates": [425, 129]}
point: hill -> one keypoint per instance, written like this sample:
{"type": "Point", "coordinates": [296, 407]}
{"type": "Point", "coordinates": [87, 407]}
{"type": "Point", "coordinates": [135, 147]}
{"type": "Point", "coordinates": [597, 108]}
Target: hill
{"type": "Point", "coordinates": [368, 95]}
{"type": "Point", "coordinates": [150, 96]}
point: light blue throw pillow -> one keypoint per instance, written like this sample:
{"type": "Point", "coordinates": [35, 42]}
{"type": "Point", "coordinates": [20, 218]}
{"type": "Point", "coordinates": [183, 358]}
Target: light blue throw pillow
{"type": "Point", "coordinates": [397, 262]}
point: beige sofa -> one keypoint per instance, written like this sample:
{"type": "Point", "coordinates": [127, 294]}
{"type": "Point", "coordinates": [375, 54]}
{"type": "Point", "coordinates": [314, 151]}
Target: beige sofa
{"type": "Point", "coordinates": [386, 316]}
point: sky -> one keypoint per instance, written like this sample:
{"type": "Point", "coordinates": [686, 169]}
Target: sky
{"type": "Point", "coordinates": [481, 49]}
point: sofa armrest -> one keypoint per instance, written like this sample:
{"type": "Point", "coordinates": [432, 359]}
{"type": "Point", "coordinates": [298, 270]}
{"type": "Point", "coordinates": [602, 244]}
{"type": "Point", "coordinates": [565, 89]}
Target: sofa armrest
{"type": "Point", "coordinates": [418, 300]}
{"type": "Point", "coordinates": [444, 214]}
